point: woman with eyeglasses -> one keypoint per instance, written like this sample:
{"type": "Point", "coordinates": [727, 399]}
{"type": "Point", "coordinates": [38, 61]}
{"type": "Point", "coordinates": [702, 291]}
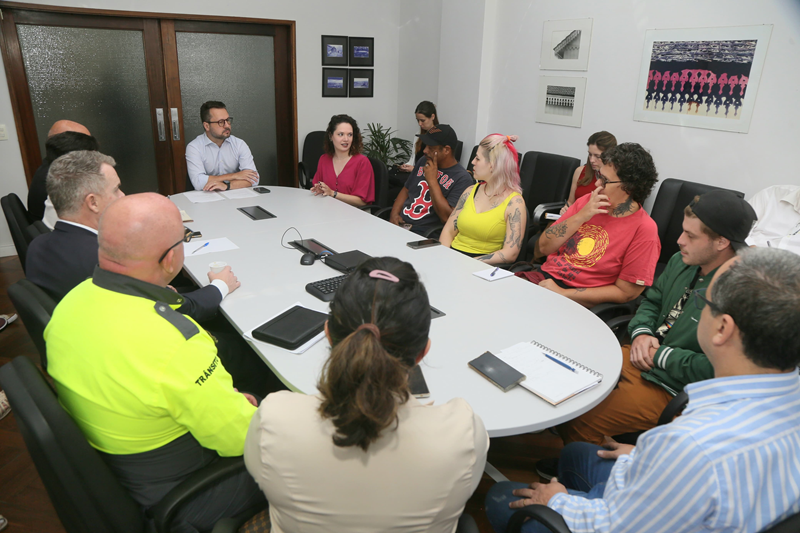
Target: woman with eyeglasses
{"type": "Point", "coordinates": [583, 181]}
{"type": "Point", "coordinates": [605, 247]}
{"type": "Point", "coordinates": [343, 171]}
{"type": "Point", "coordinates": [363, 454]}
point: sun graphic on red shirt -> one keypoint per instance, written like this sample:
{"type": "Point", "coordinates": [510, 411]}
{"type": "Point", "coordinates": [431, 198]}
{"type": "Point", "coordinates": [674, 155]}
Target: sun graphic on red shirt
{"type": "Point", "coordinates": [587, 246]}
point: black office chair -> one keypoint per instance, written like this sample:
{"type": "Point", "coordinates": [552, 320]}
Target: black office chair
{"type": "Point", "coordinates": [18, 219]}
{"type": "Point", "coordinates": [381, 186]}
{"type": "Point", "coordinates": [472, 155]}
{"type": "Point", "coordinates": [312, 150]}
{"type": "Point", "coordinates": [545, 180]}
{"type": "Point", "coordinates": [83, 490]}
{"type": "Point", "coordinates": [35, 307]}
{"type": "Point", "coordinates": [34, 230]}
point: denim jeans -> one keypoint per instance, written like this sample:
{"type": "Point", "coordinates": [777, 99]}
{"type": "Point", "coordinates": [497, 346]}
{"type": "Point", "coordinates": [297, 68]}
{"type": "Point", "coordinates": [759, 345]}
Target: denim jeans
{"type": "Point", "coordinates": [579, 469]}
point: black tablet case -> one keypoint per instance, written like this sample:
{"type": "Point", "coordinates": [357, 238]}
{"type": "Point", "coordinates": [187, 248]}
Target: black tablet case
{"type": "Point", "coordinates": [346, 262]}
{"type": "Point", "coordinates": [292, 328]}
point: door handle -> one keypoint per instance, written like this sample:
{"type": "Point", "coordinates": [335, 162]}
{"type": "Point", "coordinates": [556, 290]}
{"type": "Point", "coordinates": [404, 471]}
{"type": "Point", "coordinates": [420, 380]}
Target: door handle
{"type": "Point", "coordinates": [176, 126]}
{"type": "Point", "coordinates": [162, 133]}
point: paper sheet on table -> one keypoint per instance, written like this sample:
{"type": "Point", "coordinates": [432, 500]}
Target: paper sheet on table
{"type": "Point", "coordinates": [201, 197]}
{"type": "Point", "coordinates": [239, 193]}
{"type": "Point", "coordinates": [214, 245]}
{"type": "Point", "coordinates": [487, 274]}
{"type": "Point", "coordinates": [249, 334]}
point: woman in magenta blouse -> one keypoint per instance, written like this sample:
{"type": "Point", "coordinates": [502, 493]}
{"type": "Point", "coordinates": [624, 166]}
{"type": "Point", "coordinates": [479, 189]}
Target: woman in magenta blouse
{"type": "Point", "coordinates": [343, 172]}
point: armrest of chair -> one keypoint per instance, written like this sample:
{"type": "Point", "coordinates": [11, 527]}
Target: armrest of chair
{"type": "Point", "coordinates": [467, 524]}
{"type": "Point", "coordinates": [538, 219]}
{"type": "Point", "coordinates": [607, 311]}
{"type": "Point", "coordinates": [619, 325]}
{"type": "Point", "coordinates": [542, 514]}
{"type": "Point", "coordinates": [673, 408]}
{"type": "Point", "coordinates": [434, 232]}
{"type": "Point", "coordinates": [164, 511]}
{"type": "Point", "coordinates": [302, 176]}
{"type": "Point", "coordinates": [384, 213]}
{"type": "Point", "coordinates": [373, 209]}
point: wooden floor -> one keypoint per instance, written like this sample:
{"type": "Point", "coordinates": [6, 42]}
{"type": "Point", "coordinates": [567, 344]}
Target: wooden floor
{"type": "Point", "coordinates": [26, 505]}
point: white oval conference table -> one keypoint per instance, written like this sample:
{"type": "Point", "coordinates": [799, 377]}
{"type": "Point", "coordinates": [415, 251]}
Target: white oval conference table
{"type": "Point", "coordinates": [480, 315]}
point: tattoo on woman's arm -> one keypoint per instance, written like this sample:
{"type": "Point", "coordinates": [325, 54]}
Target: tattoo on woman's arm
{"type": "Point", "coordinates": [514, 223]}
{"type": "Point", "coordinates": [556, 231]}
{"type": "Point", "coordinates": [463, 199]}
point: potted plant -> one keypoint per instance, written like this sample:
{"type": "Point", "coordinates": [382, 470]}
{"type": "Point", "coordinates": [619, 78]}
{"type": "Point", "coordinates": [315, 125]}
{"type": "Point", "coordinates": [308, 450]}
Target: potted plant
{"type": "Point", "coordinates": [380, 144]}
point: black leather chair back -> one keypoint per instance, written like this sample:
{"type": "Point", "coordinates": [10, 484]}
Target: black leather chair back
{"type": "Point", "coordinates": [312, 151]}
{"type": "Point", "coordinates": [457, 151]}
{"type": "Point", "coordinates": [546, 178]}
{"type": "Point", "coordinates": [35, 308]}
{"type": "Point", "coordinates": [18, 220]}
{"type": "Point", "coordinates": [84, 492]}
{"type": "Point", "coordinates": [34, 230]}
{"type": "Point", "coordinates": [471, 157]}
{"type": "Point", "coordinates": [673, 196]}
{"type": "Point", "coordinates": [381, 182]}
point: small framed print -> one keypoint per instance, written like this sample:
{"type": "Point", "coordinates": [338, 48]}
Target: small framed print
{"type": "Point", "coordinates": [362, 51]}
{"type": "Point", "coordinates": [334, 82]}
{"type": "Point", "coordinates": [334, 50]}
{"type": "Point", "coordinates": [361, 82]}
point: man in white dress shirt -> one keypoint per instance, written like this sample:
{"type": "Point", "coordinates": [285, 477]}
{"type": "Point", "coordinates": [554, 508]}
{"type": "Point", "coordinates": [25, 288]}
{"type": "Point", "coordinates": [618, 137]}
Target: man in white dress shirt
{"type": "Point", "coordinates": [216, 160]}
{"type": "Point", "coordinates": [778, 226]}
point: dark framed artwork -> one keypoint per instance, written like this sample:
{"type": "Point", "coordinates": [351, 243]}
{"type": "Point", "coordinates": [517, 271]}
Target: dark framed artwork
{"type": "Point", "coordinates": [362, 51]}
{"type": "Point", "coordinates": [334, 50]}
{"type": "Point", "coordinates": [334, 82]}
{"type": "Point", "coordinates": [361, 82]}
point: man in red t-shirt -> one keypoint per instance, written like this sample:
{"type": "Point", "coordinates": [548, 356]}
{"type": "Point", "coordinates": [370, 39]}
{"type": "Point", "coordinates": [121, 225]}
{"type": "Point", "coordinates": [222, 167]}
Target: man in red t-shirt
{"type": "Point", "coordinates": [605, 247]}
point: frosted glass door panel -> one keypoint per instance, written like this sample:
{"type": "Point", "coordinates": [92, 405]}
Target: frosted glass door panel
{"type": "Point", "coordinates": [96, 77]}
{"type": "Point", "coordinates": [238, 70]}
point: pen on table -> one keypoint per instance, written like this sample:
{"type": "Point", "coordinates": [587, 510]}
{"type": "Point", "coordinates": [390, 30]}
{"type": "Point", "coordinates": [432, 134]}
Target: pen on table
{"type": "Point", "coordinates": [494, 272]}
{"type": "Point", "coordinates": [562, 363]}
{"type": "Point", "coordinates": [201, 247]}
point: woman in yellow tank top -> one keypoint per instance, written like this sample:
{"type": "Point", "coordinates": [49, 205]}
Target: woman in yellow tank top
{"type": "Point", "coordinates": [489, 220]}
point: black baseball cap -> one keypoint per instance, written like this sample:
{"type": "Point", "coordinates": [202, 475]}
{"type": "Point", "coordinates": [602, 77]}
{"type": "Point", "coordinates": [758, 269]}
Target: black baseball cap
{"type": "Point", "coordinates": [441, 135]}
{"type": "Point", "coordinates": [727, 214]}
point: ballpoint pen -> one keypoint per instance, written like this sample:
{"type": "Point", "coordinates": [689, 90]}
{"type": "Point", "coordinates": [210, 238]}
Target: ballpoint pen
{"type": "Point", "coordinates": [565, 365]}
{"type": "Point", "coordinates": [201, 247]}
{"type": "Point", "coordinates": [494, 272]}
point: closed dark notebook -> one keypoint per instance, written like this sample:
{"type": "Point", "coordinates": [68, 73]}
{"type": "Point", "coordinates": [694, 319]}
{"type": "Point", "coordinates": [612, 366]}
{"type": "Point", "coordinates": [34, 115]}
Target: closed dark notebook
{"type": "Point", "coordinates": [498, 372]}
{"type": "Point", "coordinates": [292, 328]}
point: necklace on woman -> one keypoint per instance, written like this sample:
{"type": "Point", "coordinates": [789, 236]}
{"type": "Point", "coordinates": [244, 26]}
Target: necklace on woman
{"type": "Point", "coordinates": [494, 203]}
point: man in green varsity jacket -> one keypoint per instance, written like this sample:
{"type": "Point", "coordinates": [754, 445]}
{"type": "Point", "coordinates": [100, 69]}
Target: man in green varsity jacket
{"type": "Point", "coordinates": [664, 355]}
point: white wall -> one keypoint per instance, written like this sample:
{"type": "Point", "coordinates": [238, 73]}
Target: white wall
{"type": "Point", "coordinates": [746, 162]}
{"type": "Point", "coordinates": [359, 18]}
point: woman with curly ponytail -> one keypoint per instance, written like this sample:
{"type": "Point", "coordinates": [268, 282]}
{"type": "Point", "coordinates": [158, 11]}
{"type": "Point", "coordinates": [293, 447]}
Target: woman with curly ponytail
{"type": "Point", "coordinates": [363, 454]}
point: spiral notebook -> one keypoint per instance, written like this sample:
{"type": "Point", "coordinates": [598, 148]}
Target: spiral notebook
{"type": "Point", "coordinates": [555, 378]}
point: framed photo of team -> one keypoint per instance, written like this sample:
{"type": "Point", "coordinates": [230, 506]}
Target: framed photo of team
{"type": "Point", "coordinates": [342, 51]}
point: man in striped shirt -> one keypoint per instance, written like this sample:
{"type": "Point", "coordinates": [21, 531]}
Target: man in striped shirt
{"type": "Point", "coordinates": [731, 462]}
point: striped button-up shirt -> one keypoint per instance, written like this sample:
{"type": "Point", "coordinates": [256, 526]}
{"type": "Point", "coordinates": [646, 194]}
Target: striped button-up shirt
{"type": "Point", "coordinates": [204, 158]}
{"type": "Point", "coordinates": [730, 463]}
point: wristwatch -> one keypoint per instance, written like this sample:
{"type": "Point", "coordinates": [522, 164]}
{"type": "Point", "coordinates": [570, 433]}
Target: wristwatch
{"type": "Point", "coordinates": [227, 184]}
{"type": "Point", "coordinates": [335, 193]}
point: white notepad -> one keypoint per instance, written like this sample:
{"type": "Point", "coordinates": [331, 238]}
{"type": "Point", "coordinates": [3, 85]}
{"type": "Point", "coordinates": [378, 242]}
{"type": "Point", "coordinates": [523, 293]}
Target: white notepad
{"type": "Point", "coordinates": [546, 378]}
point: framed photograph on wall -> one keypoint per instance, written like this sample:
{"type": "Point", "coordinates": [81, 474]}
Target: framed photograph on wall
{"type": "Point", "coordinates": [334, 50]}
{"type": "Point", "coordinates": [701, 77]}
{"type": "Point", "coordinates": [565, 44]}
{"type": "Point", "coordinates": [361, 82]}
{"type": "Point", "coordinates": [560, 100]}
{"type": "Point", "coordinates": [362, 51]}
{"type": "Point", "coordinates": [334, 82]}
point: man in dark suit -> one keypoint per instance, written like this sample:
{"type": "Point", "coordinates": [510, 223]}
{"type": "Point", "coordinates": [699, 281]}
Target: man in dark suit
{"type": "Point", "coordinates": [81, 184]}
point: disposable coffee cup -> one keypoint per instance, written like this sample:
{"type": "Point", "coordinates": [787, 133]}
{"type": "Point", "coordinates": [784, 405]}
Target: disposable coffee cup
{"type": "Point", "coordinates": [217, 266]}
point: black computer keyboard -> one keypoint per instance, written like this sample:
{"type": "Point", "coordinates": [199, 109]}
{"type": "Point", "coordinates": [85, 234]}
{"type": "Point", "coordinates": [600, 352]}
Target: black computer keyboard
{"type": "Point", "coordinates": [324, 289]}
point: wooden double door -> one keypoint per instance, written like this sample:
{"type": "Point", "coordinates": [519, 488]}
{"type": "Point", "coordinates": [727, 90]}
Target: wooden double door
{"type": "Point", "coordinates": [137, 81]}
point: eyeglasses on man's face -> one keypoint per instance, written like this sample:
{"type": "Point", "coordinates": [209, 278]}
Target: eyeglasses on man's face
{"type": "Point", "coordinates": [221, 122]}
{"type": "Point", "coordinates": [605, 181]}
{"type": "Point", "coordinates": [187, 236]}
{"type": "Point", "coordinates": [700, 301]}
